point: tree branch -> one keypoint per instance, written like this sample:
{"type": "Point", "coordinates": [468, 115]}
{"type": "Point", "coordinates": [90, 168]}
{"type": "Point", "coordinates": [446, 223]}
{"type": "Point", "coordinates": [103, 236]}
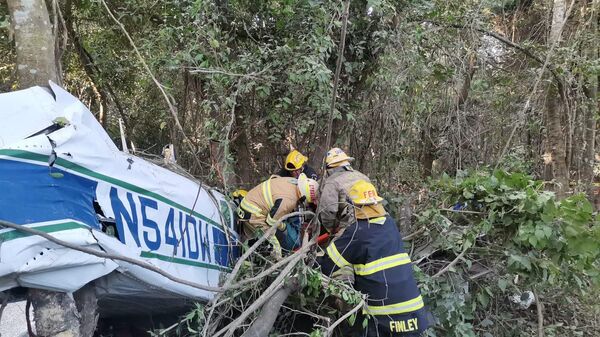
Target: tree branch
{"type": "Point", "coordinates": [103, 255]}
{"type": "Point", "coordinates": [346, 315]}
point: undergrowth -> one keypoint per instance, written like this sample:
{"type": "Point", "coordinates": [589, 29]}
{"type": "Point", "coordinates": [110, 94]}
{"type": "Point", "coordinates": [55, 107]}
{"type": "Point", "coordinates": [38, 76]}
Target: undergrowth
{"type": "Point", "coordinates": [495, 255]}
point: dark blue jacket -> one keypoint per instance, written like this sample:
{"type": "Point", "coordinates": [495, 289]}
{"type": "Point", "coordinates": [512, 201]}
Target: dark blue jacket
{"type": "Point", "coordinates": [309, 171]}
{"type": "Point", "coordinates": [383, 271]}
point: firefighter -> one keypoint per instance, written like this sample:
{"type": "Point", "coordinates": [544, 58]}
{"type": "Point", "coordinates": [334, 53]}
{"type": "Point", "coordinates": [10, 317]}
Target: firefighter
{"type": "Point", "coordinates": [295, 163]}
{"type": "Point", "coordinates": [340, 176]}
{"type": "Point", "coordinates": [373, 249]}
{"type": "Point", "coordinates": [237, 196]}
{"type": "Point", "coordinates": [268, 202]}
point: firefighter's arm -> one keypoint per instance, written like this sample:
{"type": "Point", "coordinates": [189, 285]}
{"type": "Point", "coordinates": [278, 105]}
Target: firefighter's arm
{"type": "Point", "coordinates": [342, 253]}
{"type": "Point", "coordinates": [281, 207]}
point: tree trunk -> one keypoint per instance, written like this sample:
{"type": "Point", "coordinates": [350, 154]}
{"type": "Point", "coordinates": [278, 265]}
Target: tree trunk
{"type": "Point", "coordinates": [89, 67]}
{"type": "Point", "coordinates": [555, 153]}
{"type": "Point", "coordinates": [87, 305]}
{"type": "Point", "coordinates": [55, 313]}
{"type": "Point", "coordinates": [36, 62]}
{"type": "Point", "coordinates": [559, 9]}
{"type": "Point", "coordinates": [555, 145]}
{"type": "Point", "coordinates": [591, 92]}
{"type": "Point", "coordinates": [427, 152]}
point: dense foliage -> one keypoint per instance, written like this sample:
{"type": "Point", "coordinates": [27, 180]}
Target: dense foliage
{"type": "Point", "coordinates": [503, 89]}
{"type": "Point", "coordinates": [426, 86]}
{"type": "Point", "coordinates": [516, 238]}
{"type": "Point", "coordinates": [493, 252]}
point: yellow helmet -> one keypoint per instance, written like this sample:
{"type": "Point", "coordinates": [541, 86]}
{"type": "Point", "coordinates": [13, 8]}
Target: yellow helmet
{"type": "Point", "coordinates": [337, 157]}
{"type": "Point", "coordinates": [295, 160]}
{"type": "Point", "coordinates": [308, 188]}
{"type": "Point", "coordinates": [239, 193]}
{"type": "Point", "coordinates": [364, 193]}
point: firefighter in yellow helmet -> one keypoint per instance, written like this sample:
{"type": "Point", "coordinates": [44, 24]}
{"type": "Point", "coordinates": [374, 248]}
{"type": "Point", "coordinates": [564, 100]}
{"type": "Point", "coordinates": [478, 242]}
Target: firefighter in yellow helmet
{"type": "Point", "coordinates": [266, 203]}
{"type": "Point", "coordinates": [372, 249]}
{"type": "Point", "coordinates": [339, 177]}
{"type": "Point", "coordinates": [238, 195]}
{"type": "Point", "coordinates": [296, 163]}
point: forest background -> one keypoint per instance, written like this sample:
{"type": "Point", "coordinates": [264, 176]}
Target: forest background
{"type": "Point", "coordinates": [489, 105]}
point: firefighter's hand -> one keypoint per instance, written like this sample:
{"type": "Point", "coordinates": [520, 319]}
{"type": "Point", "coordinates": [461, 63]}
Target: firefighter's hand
{"type": "Point", "coordinates": [276, 252]}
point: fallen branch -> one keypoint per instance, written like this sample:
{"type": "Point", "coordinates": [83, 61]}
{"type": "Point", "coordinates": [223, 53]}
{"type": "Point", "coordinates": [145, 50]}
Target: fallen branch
{"type": "Point", "coordinates": [460, 211]}
{"type": "Point", "coordinates": [255, 246]}
{"type": "Point", "coordinates": [271, 269]}
{"type": "Point", "coordinates": [329, 331]}
{"type": "Point", "coordinates": [228, 282]}
{"type": "Point", "coordinates": [540, 314]}
{"type": "Point", "coordinates": [103, 255]}
{"type": "Point", "coordinates": [451, 264]}
{"type": "Point", "coordinates": [412, 235]}
{"type": "Point", "coordinates": [266, 295]}
{"type": "Point", "coordinates": [268, 313]}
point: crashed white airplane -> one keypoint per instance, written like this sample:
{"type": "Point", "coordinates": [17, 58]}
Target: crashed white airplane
{"type": "Point", "coordinates": [60, 173]}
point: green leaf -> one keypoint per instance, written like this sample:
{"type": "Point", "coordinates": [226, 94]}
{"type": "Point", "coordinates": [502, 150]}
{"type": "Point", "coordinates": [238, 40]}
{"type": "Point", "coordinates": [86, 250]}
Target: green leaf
{"type": "Point", "coordinates": [502, 284]}
{"type": "Point", "coordinates": [214, 43]}
{"type": "Point", "coordinates": [486, 323]}
{"type": "Point", "coordinates": [351, 319]}
{"type": "Point", "coordinates": [521, 260]}
{"type": "Point", "coordinates": [467, 194]}
{"type": "Point", "coordinates": [62, 121]}
{"type": "Point", "coordinates": [483, 299]}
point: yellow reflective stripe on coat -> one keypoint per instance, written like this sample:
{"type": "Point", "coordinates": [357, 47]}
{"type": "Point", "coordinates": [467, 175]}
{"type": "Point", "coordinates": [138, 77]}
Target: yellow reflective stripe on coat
{"type": "Point", "coordinates": [336, 257]}
{"type": "Point", "coordinates": [251, 208]}
{"type": "Point", "coordinates": [271, 222]}
{"type": "Point", "coordinates": [266, 190]}
{"type": "Point", "coordinates": [379, 221]}
{"type": "Point", "coordinates": [397, 308]}
{"type": "Point", "coordinates": [382, 264]}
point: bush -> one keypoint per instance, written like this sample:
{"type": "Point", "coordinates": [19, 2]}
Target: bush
{"type": "Point", "coordinates": [512, 237]}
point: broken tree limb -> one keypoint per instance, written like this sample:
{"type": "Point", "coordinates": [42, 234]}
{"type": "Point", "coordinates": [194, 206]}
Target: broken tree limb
{"type": "Point", "coordinates": [540, 314]}
{"type": "Point", "coordinates": [274, 267]}
{"type": "Point", "coordinates": [104, 255]}
{"type": "Point", "coordinates": [276, 285]}
{"type": "Point", "coordinates": [269, 311]}
{"type": "Point", "coordinates": [255, 246]}
{"type": "Point", "coordinates": [344, 317]}
{"type": "Point", "coordinates": [265, 297]}
{"type": "Point", "coordinates": [451, 264]}
{"type": "Point", "coordinates": [231, 277]}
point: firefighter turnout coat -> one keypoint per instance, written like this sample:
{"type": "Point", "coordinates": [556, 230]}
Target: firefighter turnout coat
{"type": "Point", "coordinates": [338, 181]}
{"type": "Point", "coordinates": [259, 202]}
{"type": "Point", "coordinates": [373, 248]}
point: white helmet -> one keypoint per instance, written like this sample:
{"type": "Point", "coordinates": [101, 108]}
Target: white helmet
{"type": "Point", "coordinates": [309, 188]}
